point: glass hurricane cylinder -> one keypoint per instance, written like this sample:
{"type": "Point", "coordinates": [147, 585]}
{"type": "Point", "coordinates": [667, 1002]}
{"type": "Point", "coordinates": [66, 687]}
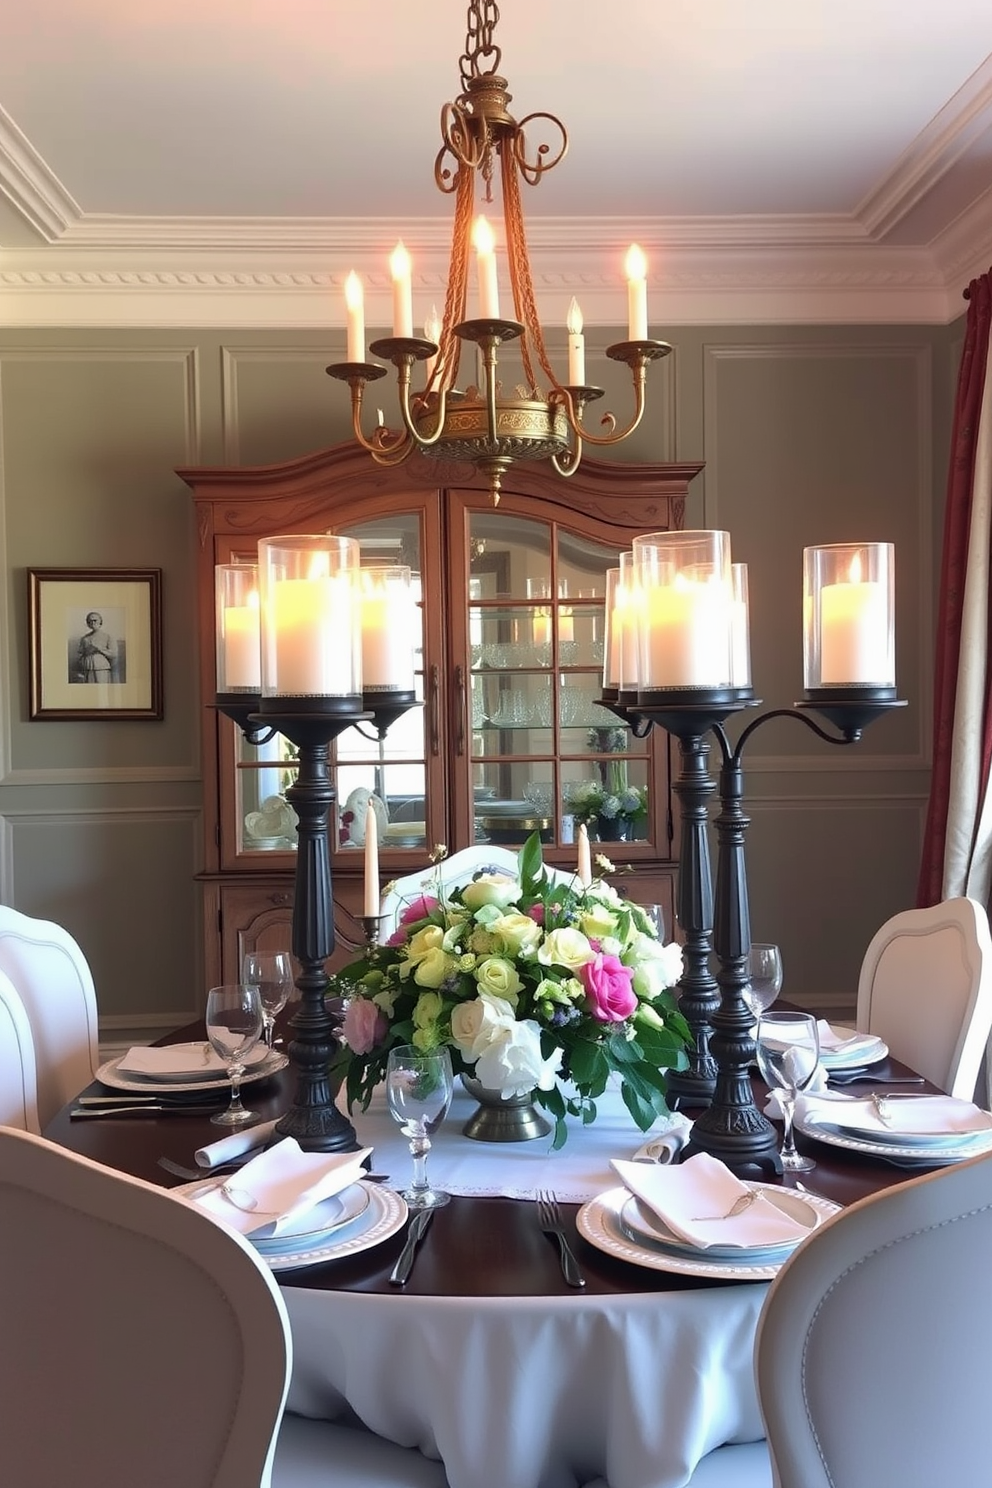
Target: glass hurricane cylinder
{"type": "Point", "coordinates": [685, 581]}
{"type": "Point", "coordinates": [390, 628]}
{"type": "Point", "coordinates": [631, 608]}
{"type": "Point", "coordinates": [740, 628]}
{"type": "Point", "coordinates": [311, 621]}
{"type": "Point", "coordinates": [611, 636]}
{"type": "Point", "coordinates": [849, 616]}
{"type": "Point", "coordinates": [237, 627]}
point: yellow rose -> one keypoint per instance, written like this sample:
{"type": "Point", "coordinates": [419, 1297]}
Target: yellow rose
{"type": "Point", "coordinates": [499, 978]}
{"type": "Point", "coordinates": [598, 921]}
{"type": "Point", "coordinates": [434, 968]}
{"type": "Point", "coordinates": [515, 932]}
{"type": "Point", "coordinates": [426, 940]}
{"type": "Point", "coordinates": [491, 888]}
{"type": "Point", "coordinates": [568, 948]}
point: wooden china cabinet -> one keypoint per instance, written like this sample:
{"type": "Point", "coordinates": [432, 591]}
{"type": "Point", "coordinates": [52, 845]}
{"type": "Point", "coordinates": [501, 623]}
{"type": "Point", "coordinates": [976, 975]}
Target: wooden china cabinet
{"type": "Point", "coordinates": [509, 663]}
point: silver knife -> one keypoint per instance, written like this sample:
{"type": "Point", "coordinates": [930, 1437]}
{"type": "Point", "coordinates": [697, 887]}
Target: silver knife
{"type": "Point", "coordinates": [400, 1273]}
{"type": "Point", "coordinates": [91, 1113]}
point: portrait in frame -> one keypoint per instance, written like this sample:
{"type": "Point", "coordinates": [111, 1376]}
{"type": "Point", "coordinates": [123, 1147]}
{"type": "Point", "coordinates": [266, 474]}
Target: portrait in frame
{"type": "Point", "coordinates": [95, 643]}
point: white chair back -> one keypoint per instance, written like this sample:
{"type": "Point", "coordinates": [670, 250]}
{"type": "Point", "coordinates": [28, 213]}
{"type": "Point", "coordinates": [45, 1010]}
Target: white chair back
{"type": "Point", "coordinates": [459, 868]}
{"type": "Point", "coordinates": [18, 1086]}
{"type": "Point", "coordinates": [870, 1344]}
{"type": "Point", "coordinates": [53, 981]}
{"type": "Point", "coordinates": [926, 989]}
{"type": "Point", "coordinates": [142, 1343]}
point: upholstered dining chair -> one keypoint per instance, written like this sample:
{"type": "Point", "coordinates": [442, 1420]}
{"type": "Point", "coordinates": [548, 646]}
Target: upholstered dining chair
{"type": "Point", "coordinates": [18, 1088]}
{"type": "Point", "coordinates": [459, 868]}
{"type": "Point", "coordinates": [54, 983]}
{"type": "Point", "coordinates": [870, 1345]}
{"type": "Point", "coordinates": [143, 1344]}
{"type": "Point", "coordinates": [926, 989]}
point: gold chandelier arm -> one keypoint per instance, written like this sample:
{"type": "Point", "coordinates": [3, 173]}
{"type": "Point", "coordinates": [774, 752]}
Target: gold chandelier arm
{"type": "Point", "coordinates": [424, 441]}
{"type": "Point", "coordinates": [615, 435]}
{"type": "Point", "coordinates": [533, 170]}
{"type": "Point", "coordinates": [385, 446]}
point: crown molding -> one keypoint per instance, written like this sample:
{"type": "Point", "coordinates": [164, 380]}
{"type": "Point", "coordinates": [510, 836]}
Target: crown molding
{"type": "Point", "coordinates": [31, 187]}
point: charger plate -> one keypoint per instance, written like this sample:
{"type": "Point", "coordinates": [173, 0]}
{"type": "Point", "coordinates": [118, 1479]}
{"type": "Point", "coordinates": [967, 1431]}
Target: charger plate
{"type": "Point", "coordinates": [641, 1225]}
{"type": "Point", "coordinates": [385, 1213]}
{"type": "Point", "coordinates": [108, 1074]}
{"type": "Point", "coordinates": [202, 1064]}
{"type": "Point", "coordinates": [600, 1222]}
{"type": "Point", "coordinates": [902, 1154]}
{"type": "Point", "coordinates": [863, 1050]}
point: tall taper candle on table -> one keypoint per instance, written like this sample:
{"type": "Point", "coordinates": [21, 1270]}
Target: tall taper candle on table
{"type": "Point", "coordinates": [584, 857]}
{"type": "Point", "coordinates": [371, 861]}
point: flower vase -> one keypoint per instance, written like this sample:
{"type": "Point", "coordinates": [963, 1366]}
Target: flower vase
{"type": "Point", "coordinates": [612, 828]}
{"type": "Point", "coordinates": [516, 1119]}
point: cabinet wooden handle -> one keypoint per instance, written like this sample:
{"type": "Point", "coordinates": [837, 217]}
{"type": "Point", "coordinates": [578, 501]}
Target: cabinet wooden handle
{"type": "Point", "coordinates": [460, 705]}
{"type": "Point", "coordinates": [434, 691]}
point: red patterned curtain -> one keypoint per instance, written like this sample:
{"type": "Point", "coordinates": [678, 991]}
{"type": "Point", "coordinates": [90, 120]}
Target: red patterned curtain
{"type": "Point", "coordinates": [957, 848]}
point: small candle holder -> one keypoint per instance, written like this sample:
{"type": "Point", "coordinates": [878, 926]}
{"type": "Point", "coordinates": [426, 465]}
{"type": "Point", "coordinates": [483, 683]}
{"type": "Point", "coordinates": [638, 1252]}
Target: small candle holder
{"type": "Point", "coordinates": [372, 925]}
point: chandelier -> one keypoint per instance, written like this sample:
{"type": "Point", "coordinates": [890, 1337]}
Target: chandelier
{"type": "Point", "coordinates": [480, 423]}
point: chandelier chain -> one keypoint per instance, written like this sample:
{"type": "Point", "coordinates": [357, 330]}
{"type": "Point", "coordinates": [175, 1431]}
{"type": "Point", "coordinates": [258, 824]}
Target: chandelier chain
{"type": "Point", "coordinates": [520, 276]}
{"type": "Point", "coordinates": [483, 17]}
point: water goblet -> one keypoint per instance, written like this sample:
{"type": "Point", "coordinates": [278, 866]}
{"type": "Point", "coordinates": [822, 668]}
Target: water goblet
{"type": "Point", "coordinates": [656, 915]}
{"type": "Point", "coordinates": [418, 1093]}
{"type": "Point", "coordinates": [234, 1027]}
{"type": "Point", "coordinates": [764, 976]}
{"type": "Point", "coordinates": [273, 976]}
{"type": "Point", "coordinates": [788, 1049]}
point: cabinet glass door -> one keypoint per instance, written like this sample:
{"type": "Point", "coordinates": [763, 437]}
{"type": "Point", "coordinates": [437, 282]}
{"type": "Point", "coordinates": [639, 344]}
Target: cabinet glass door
{"type": "Point", "coordinates": [545, 754]}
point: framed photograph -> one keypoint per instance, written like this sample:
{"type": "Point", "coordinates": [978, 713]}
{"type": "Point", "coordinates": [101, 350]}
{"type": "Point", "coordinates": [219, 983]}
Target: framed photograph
{"type": "Point", "coordinates": [96, 642]}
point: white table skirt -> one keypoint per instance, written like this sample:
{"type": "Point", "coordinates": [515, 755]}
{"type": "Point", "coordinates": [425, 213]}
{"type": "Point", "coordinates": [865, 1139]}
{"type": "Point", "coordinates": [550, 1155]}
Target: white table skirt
{"type": "Point", "coordinates": [532, 1392]}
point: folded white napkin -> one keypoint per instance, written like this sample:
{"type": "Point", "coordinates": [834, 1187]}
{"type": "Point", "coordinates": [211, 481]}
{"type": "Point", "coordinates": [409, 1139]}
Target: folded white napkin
{"type": "Point", "coordinates": [664, 1145]}
{"type": "Point", "coordinates": [696, 1200]}
{"type": "Point", "coordinates": [841, 1040]}
{"type": "Point", "coordinates": [278, 1186]}
{"type": "Point", "coordinates": [894, 1115]}
{"type": "Point", "coordinates": [818, 1081]}
{"type": "Point", "coordinates": [195, 1060]}
{"type": "Point", "coordinates": [236, 1145]}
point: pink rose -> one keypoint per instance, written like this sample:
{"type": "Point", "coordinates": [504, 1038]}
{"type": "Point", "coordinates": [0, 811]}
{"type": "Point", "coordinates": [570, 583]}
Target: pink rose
{"type": "Point", "coordinates": [608, 991]}
{"type": "Point", "coordinates": [364, 1025]}
{"type": "Point", "coordinates": [417, 909]}
{"type": "Point", "coordinates": [536, 913]}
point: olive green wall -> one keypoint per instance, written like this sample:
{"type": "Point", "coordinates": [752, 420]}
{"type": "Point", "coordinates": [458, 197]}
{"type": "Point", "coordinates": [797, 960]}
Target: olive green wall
{"type": "Point", "coordinates": [809, 435]}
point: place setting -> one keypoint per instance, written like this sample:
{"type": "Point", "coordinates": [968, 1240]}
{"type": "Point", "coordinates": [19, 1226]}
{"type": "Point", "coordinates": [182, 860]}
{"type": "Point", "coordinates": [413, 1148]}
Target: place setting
{"type": "Point", "coordinates": [300, 1208]}
{"type": "Point", "coordinates": [907, 1129]}
{"type": "Point", "coordinates": [696, 1218]}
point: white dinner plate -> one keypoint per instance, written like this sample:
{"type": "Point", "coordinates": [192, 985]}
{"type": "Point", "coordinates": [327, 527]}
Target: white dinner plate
{"type": "Point", "coordinates": [384, 1214]}
{"type": "Point", "coordinates": [108, 1074]}
{"type": "Point", "coordinates": [640, 1224]}
{"type": "Point", "coordinates": [201, 1063]}
{"type": "Point", "coordinates": [903, 1154]}
{"type": "Point", "coordinates": [599, 1222]}
{"type": "Point", "coordinates": [318, 1223]}
{"type": "Point", "coordinates": [860, 1050]}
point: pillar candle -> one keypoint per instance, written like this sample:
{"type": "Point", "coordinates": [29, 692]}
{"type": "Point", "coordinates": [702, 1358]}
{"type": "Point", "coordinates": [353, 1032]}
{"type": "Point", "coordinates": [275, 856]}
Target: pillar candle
{"type": "Point", "coordinates": [688, 635]}
{"type": "Point", "coordinates": [584, 857]}
{"type": "Point", "coordinates": [853, 634]}
{"type": "Point", "coordinates": [389, 626]}
{"type": "Point", "coordinates": [354, 299]}
{"type": "Point", "coordinates": [313, 625]}
{"type": "Point", "coordinates": [242, 646]}
{"type": "Point", "coordinates": [371, 861]}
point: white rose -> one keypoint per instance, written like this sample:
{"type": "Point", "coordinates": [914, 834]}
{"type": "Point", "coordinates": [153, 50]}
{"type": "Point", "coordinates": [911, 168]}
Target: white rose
{"type": "Point", "coordinates": [514, 1065]}
{"type": "Point", "coordinates": [569, 948]}
{"type": "Point", "coordinates": [491, 888]}
{"type": "Point", "coordinates": [658, 973]}
{"type": "Point", "coordinates": [475, 1024]}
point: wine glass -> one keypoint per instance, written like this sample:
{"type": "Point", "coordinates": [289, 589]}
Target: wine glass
{"type": "Point", "coordinates": [234, 1027]}
{"type": "Point", "coordinates": [788, 1049]}
{"type": "Point", "coordinates": [272, 975]}
{"type": "Point", "coordinates": [764, 976]}
{"type": "Point", "coordinates": [418, 1093]}
{"type": "Point", "coordinates": [656, 915]}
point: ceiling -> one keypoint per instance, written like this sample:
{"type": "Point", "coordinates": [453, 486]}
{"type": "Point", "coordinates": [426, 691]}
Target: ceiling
{"type": "Point", "coordinates": [226, 163]}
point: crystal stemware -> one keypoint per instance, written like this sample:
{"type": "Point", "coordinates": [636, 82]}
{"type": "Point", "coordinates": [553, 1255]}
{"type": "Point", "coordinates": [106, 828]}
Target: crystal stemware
{"type": "Point", "coordinates": [788, 1050]}
{"type": "Point", "coordinates": [418, 1093]}
{"type": "Point", "coordinates": [764, 974]}
{"type": "Point", "coordinates": [234, 1027]}
{"type": "Point", "coordinates": [273, 977]}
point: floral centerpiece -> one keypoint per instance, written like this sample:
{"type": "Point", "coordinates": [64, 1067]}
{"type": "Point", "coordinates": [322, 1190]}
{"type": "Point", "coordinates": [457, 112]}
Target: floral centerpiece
{"type": "Point", "coordinates": [601, 806]}
{"type": "Point", "coordinates": [536, 986]}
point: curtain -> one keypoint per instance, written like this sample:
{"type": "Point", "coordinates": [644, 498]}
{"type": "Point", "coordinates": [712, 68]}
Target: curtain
{"type": "Point", "coordinates": [957, 848]}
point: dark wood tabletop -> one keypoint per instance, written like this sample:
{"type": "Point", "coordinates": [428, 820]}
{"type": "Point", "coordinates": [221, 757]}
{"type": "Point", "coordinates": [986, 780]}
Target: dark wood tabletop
{"type": "Point", "coordinates": [479, 1246]}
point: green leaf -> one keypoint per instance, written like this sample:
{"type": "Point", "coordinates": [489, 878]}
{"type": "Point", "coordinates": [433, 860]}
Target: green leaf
{"type": "Point", "coordinates": [643, 1112]}
{"type": "Point", "coordinates": [561, 1135]}
{"type": "Point", "coordinates": [530, 865]}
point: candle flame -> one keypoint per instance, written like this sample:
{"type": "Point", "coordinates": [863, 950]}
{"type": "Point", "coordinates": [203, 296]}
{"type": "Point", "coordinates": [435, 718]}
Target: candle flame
{"type": "Point", "coordinates": [573, 320]}
{"type": "Point", "coordinates": [353, 292]}
{"type": "Point", "coordinates": [483, 237]}
{"type": "Point", "coordinates": [400, 262]}
{"type": "Point", "coordinates": [854, 572]}
{"type": "Point", "coordinates": [635, 264]}
{"type": "Point", "coordinates": [252, 600]}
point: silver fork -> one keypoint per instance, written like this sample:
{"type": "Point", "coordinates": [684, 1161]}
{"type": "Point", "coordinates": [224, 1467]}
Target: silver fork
{"type": "Point", "coordinates": [549, 1220]}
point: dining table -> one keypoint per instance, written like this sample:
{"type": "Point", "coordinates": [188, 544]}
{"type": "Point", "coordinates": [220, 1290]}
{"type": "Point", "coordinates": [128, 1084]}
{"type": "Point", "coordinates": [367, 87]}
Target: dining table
{"type": "Point", "coordinates": [487, 1358]}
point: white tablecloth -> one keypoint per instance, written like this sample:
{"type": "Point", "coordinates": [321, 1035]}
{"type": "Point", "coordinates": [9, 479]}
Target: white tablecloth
{"type": "Point", "coordinates": [532, 1392]}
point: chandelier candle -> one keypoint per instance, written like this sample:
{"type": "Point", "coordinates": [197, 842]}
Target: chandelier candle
{"type": "Point", "coordinates": [576, 346]}
{"type": "Point", "coordinates": [239, 646]}
{"type": "Point", "coordinates": [354, 300]}
{"type": "Point", "coordinates": [485, 248]}
{"type": "Point", "coordinates": [400, 267]}
{"type": "Point", "coordinates": [637, 294]}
